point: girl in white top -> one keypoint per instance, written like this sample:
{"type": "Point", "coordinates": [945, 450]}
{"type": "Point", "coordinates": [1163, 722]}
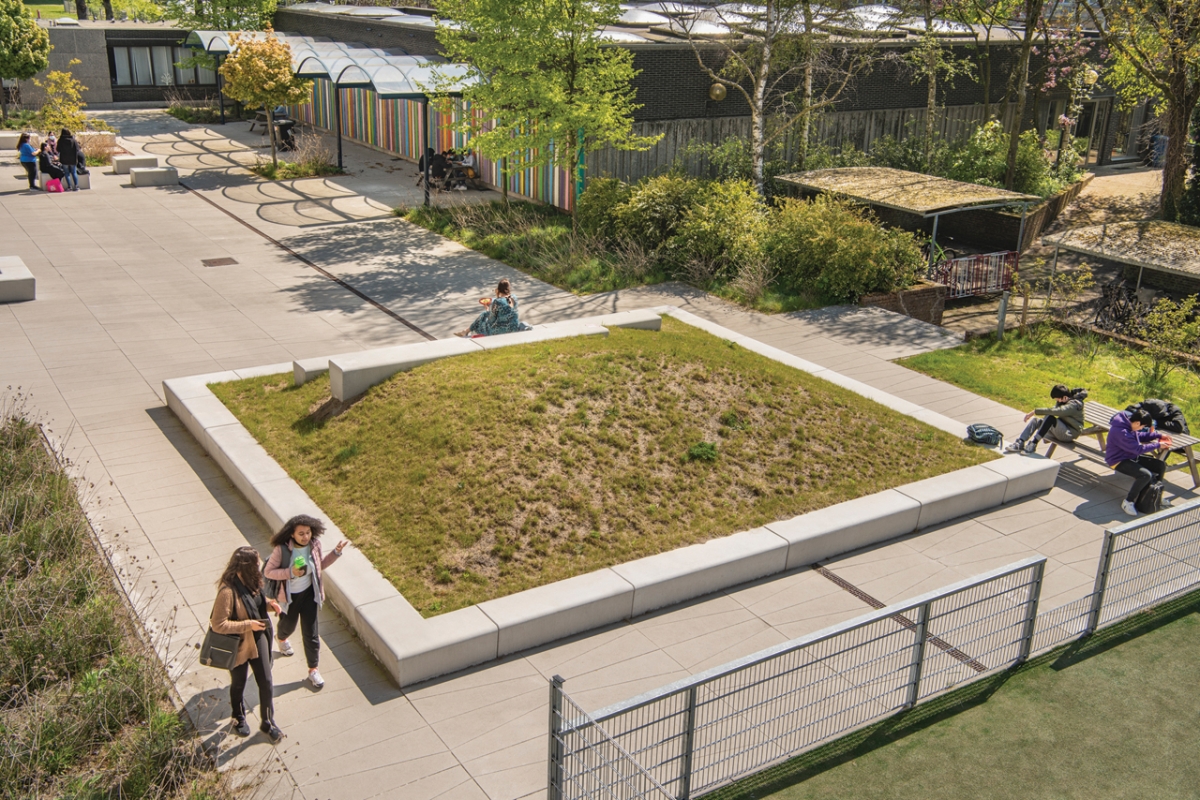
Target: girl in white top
{"type": "Point", "coordinates": [296, 563]}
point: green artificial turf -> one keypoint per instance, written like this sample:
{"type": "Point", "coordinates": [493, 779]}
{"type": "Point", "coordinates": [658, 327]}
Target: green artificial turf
{"type": "Point", "coordinates": [1019, 372]}
{"type": "Point", "coordinates": [478, 476]}
{"type": "Point", "coordinates": [1111, 717]}
{"type": "Point", "coordinates": [49, 10]}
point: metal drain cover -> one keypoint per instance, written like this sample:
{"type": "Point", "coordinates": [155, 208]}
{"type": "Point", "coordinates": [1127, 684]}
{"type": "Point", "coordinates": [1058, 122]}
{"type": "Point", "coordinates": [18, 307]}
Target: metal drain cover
{"type": "Point", "coordinates": [218, 262]}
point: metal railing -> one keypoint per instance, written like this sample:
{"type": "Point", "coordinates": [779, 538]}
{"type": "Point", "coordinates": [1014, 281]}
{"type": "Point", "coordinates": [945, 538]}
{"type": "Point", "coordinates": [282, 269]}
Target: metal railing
{"type": "Point", "coordinates": [734, 720]}
{"type": "Point", "coordinates": [1142, 564]}
{"type": "Point", "coordinates": [970, 276]}
{"type": "Point", "coordinates": [690, 737]}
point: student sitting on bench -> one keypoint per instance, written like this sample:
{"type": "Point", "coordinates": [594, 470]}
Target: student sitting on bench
{"type": "Point", "coordinates": [1131, 444]}
{"type": "Point", "coordinates": [1063, 423]}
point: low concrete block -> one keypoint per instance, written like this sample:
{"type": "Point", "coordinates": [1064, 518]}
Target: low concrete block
{"type": "Point", "coordinates": [9, 140]}
{"type": "Point", "coordinates": [558, 330]}
{"type": "Point", "coordinates": [198, 412]}
{"type": "Point", "coordinates": [955, 494]}
{"type": "Point", "coordinates": [281, 368]}
{"type": "Point", "coordinates": [710, 327]}
{"type": "Point", "coordinates": [642, 319]}
{"type": "Point", "coordinates": [828, 532]}
{"type": "Point", "coordinates": [545, 613]}
{"type": "Point", "coordinates": [244, 460]}
{"type": "Point", "coordinates": [442, 644]}
{"type": "Point", "coordinates": [17, 284]}
{"type": "Point", "coordinates": [352, 374]}
{"type": "Point", "coordinates": [1026, 474]}
{"type": "Point", "coordinates": [353, 581]}
{"type": "Point", "coordinates": [689, 572]}
{"type": "Point", "coordinates": [306, 369]}
{"type": "Point", "coordinates": [153, 176]}
{"type": "Point", "coordinates": [278, 501]}
{"type": "Point", "coordinates": [123, 164]}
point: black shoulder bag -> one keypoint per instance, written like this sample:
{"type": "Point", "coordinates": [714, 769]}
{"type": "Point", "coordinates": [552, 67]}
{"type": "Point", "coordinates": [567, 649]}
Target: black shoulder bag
{"type": "Point", "coordinates": [219, 650]}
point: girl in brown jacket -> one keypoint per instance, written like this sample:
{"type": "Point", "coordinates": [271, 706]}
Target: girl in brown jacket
{"type": "Point", "coordinates": [241, 607]}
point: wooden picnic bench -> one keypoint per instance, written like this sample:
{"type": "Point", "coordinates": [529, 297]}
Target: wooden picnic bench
{"type": "Point", "coordinates": [1097, 418]}
{"type": "Point", "coordinates": [260, 118]}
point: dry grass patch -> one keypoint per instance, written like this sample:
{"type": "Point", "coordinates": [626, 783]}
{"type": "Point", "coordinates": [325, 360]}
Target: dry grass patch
{"type": "Point", "coordinates": [475, 477]}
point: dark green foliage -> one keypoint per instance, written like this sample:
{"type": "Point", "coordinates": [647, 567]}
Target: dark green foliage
{"type": "Point", "coordinates": [702, 451]}
{"type": "Point", "coordinates": [657, 207]}
{"type": "Point", "coordinates": [594, 210]}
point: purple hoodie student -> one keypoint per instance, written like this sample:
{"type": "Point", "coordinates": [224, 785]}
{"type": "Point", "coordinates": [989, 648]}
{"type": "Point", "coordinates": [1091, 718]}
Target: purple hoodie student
{"type": "Point", "coordinates": [1129, 448]}
{"type": "Point", "coordinates": [1126, 443]}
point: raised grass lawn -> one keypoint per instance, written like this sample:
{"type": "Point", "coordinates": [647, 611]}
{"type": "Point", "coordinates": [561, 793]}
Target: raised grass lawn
{"type": "Point", "coordinates": [478, 476]}
{"type": "Point", "coordinates": [1113, 716]}
{"type": "Point", "coordinates": [1019, 372]}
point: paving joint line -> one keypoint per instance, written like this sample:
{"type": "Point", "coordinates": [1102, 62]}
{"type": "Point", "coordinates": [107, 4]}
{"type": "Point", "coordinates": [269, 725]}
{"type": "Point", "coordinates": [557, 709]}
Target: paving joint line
{"type": "Point", "coordinates": [903, 621]}
{"type": "Point", "coordinates": [321, 270]}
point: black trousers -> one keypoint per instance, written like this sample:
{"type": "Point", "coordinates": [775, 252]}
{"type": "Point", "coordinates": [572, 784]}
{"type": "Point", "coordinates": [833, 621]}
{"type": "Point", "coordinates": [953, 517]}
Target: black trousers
{"type": "Point", "coordinates": [261, 665]}
{"type": "Point", "coordinates": [303, 609]}
{"type": "Point", "coordinates": [1143, 471]}
{"type": "Point", "coordinates": [31, 171]}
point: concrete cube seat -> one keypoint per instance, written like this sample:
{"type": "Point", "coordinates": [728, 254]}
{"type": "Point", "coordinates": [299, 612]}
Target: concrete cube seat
{"type": "Point", "coordinates": [9, 140]}
{"type": "Point", "coordinates": [85, 181]}
{"type": "Point", "coordinates": [17, 283]}
{"type": "Point", "coordinates": [123, 164]}
{"type": "Point", "coordinates": [153, 176]}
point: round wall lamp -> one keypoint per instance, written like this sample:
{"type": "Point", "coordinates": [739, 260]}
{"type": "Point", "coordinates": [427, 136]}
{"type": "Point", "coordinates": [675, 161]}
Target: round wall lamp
{"type": "Point", "coordinates": [717, 92]}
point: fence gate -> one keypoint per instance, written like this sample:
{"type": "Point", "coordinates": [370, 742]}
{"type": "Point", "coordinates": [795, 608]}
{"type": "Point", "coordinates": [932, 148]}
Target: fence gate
{"type": "Point", "coordinates": [971, 276]}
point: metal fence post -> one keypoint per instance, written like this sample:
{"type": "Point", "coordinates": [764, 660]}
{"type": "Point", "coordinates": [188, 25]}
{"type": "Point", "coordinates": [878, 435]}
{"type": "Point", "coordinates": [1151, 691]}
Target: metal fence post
{"type": "Point", "coordinates": [554, 777]}
{"type": "Point", "coordinates": [918, 657]}
{"type": "Point", "coordinates": [1031, 609]}
{"type": "Point", "coordinates": [1101, 584]}
{"type": "Point", "coordinates": [689, 740]}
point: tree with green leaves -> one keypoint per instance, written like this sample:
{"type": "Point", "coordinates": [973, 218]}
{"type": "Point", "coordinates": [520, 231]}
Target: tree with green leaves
{"type": "Point", "coordinates": [63, 104]}
{"type": "Point", "coordinates": [258, 72]}
{"type": "Point", "coordinates": [1155, 46]}
{"type": "Point", "coordinates": [24, 46]}
{"type": "Point", "coordinates": [221, 15]}
{"type": "Point", "coordinates": [550, 87]}
{"type": "Point", "coordinates": [1189, 204]}
{"type": "Point", "coordinates": [789, 60]}
{"type": "Point", "coordinates": [932, 61]}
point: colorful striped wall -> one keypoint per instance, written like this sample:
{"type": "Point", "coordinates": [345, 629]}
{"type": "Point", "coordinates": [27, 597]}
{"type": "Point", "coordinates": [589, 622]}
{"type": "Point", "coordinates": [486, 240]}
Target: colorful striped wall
{"type": "Point", "coordinates": [395, 126]}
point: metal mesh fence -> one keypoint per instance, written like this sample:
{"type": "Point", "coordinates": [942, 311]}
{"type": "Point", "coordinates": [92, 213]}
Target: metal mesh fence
{"type": "Point", "coordinates": [734, 720]}
{"type": "Point", "coordinates": [694, 735]}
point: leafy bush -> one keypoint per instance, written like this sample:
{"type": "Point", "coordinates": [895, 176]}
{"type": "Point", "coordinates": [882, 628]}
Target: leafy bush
{"type": "Point", "coordinates": [656, 208]}
{"type": "Point", "coordinates": [595, 208]}
{"type": "Point", "coordinates": [723, 230]}
{"type": "Point", "coordinates": [909, 154]}
{"type": "Point", "coordinates": [840, 249]}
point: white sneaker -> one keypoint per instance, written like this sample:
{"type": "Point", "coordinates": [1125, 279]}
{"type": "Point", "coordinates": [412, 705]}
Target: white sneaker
{"type": "Point", "coordinates": [315, 679]}
{"type": "Point", "coordinates": [1015, 446]}
{"type": "Point", "coordinates": [1031, 446]}
{"type": "Point", "coordinates": [285, 648]}
{"type": "Point", "coordinates": [1129, 508]}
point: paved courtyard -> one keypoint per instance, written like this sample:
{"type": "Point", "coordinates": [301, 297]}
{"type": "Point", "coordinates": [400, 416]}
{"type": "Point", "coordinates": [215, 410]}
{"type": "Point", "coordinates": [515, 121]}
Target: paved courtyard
{"type": "Point", "coordinates": [125, 301]}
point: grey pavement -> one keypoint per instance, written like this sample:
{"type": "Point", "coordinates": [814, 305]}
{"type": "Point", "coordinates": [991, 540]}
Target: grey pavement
{"type": "Point", "coordinates": [124, 301]}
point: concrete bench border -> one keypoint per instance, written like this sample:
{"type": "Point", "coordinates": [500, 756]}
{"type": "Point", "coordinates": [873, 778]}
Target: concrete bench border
{"type": "Point", "coordinates": [414, 649]}
{"type": "Point", "coordinates": [17, 283]}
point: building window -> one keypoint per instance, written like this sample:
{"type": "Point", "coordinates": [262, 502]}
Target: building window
{"type": "Point", "coordinates": [156, 66]}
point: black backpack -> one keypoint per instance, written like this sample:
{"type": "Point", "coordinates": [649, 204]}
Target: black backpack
{"type": "Point", "coordinates": [981, 433]}
{"type": "Point", "coordinates": [1151, 498]}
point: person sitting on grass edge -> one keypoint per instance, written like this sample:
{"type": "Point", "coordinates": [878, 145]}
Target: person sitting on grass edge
{"type": "Point", "coordinates": [1063, 422]}
{"type": "Point", "coordinates": [1131, 442]}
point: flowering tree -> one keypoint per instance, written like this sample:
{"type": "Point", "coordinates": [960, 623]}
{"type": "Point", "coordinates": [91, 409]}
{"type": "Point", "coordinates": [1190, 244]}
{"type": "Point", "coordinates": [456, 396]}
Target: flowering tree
{"type": "Point", "coordinates": [24, 46]}
{"type": "Point", "coordinates": [1156, 44]}
{"type": "Point", "coordinates": [1067, 54]}
{"type": "Point", "coordinates": [258, 72]}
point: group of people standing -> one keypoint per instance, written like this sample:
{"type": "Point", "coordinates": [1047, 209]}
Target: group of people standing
{"type": "Point", "coordinates": [1136, 436]}
{"type": "Point", "coordinates": [288, 585]}
{"type": "Point", "coordinates": [59, 158]}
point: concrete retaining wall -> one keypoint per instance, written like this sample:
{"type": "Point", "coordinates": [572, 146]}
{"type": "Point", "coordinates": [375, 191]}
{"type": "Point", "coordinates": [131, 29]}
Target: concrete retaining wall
{"type": "Point", "coordinates": [413, 649]}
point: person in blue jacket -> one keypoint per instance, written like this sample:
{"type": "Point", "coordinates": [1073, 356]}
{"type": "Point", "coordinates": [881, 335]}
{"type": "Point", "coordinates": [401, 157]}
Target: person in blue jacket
{"type": "Point", "coordinates": [1131, 443]}
{"type": "Point", "coordinates": [29, 161]}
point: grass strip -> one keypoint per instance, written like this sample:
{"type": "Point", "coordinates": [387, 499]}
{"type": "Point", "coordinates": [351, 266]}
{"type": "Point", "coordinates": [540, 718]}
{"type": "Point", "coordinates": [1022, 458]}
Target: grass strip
{"type": "Point", "coordinates": [84, 709]}
{"type": "Point", "coordinates": [479, 476]}
{"type": "Point", "coordinates": [1019, 371]}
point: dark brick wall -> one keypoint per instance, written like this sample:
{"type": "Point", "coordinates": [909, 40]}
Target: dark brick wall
{"type": "Point", "coordinates": [925, 301]}
{"type": "Point", "coordinates": [671, 84]}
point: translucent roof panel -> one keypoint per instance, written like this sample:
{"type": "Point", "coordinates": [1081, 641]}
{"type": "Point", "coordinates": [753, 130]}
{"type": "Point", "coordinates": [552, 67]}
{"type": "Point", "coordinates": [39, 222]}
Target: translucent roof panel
{"type": "Point", "coordinates": [640, 17]}
{"type": "Point", "coordinates": [672, 9]}
{"type": "Point", "coordinates": [911, 192]}
{"type": "Point", "coordinates": [610, 35]}
{"type": "Point", "coordinates": [392, 73]}
{"type": "Point", "coordinates": [1153, 244]}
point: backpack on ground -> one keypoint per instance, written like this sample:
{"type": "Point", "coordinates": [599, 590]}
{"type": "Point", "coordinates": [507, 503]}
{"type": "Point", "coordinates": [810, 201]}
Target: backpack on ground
{"type": "Point", "coordinates": [1151, 498]}
{"type": "Point", "coordinates": [981, 433]}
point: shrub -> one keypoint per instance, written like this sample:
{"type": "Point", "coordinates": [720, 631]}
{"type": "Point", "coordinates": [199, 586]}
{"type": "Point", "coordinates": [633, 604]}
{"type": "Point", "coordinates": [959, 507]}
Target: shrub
{"type": "Point", "coordinates": [840, 249]}
{"type": "Point", "coordinates": [723, 230]}
{"type": "Point", "coordinates": [596, 207]}
{"type": "Point", "coordinates": [656, 207]}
